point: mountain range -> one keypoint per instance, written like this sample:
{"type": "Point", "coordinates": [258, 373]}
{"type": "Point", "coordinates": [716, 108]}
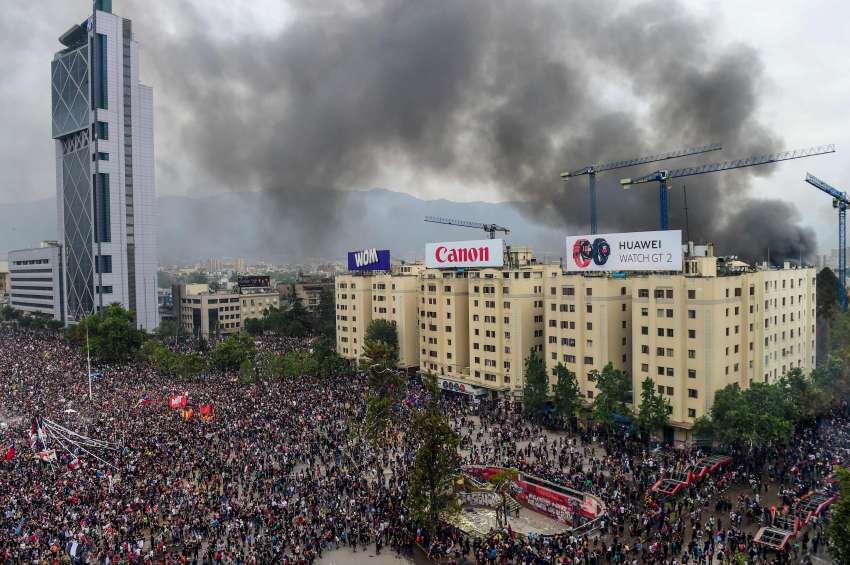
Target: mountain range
{"type": "Point", "coordinates": [260, 226]}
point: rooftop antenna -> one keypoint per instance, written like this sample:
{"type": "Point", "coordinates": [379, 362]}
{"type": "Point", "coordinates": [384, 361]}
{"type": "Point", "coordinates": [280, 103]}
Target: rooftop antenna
{"type": "Point", "coordinates": [687, 223]}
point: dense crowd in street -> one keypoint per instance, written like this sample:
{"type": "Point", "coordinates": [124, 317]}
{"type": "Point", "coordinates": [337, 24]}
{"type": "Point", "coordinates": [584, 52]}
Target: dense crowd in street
{"type": "Point", "coordinates": [279, 474]}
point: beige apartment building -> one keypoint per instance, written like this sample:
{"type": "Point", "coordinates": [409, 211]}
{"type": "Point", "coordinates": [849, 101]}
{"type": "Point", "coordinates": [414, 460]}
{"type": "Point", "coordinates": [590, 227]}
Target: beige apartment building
{"type": "Point", "coordinates": [363, 297]}
{"type": "Point", "coordinates": [588, 325]}
{"type": "Point", "coordinates": [719, 322]}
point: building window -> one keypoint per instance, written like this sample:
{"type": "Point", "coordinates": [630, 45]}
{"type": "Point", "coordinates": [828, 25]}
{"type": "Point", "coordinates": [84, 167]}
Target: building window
{"type": "Point", "coordinates": [103, 228]}
{"type": "Point", "coordinates": [103, 289]}
{"type": "Point", "coordinates": [103, 264]}
{"type": "Point", "coordinates": [692, 334]}
{"type": "Point", "coordinates": [692, 413]}
{"type": "Point", "coordinates": [692, 294]}
{"type": "Point", "coordinates": [692, 374]}
{"type": "Point", "coordinates": [692, 393]}
{"type": "Point", "coordinates": [644, 330]}
{"type": "Point", "coordinates": [100, 87]}
{"type": "Point", "coordinates": [692, 354]}
{"type": "Point", "coordinates": [692, 314]}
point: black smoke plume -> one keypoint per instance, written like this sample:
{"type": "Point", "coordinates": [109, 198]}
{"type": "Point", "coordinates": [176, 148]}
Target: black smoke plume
{"type": "Point", "coordinates": [503, 92]}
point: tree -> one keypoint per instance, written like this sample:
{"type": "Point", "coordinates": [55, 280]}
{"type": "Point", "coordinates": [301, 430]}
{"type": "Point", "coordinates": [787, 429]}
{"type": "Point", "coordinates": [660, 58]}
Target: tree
{"type": "Point", "coordinates": [838, 530]}
{"type": "Point", "coordinates": [329, 362]}
{"type": "Point", "coordinates": [167, 329]}
{"type": "Point", "coordinates": [536, 390]}
{"type": "Point", "coordinates": [325, 325]}
{"type": "Point", "coordinates": [806, 399]}
{"type": "Point", "coordinates": [436, 463]}
{"type": "Point", "coordinates": [614, 386]}
{"type": "Point", "coordinates": [566, 393]}
{"type": "Point", "coordinates": [385, 388]}
{"type": "Point", "coordinates": [827, 293]}
{"type": "Point", "coordinates": [654, 408]}
{"type": "Point", "coordinates": [755, 419]}
{"type": "Point", "coordinates": [297, 364]}
{"type": "Point", "coordinates": [384, 331]}
{"type": "Point", "coordinates": [229, 354]}
{"type": "Point", "coordinates": [112, 338]}
{"type": "Point", "coordinates": [246, 372]}
{"type": "Point", "coordinates": [832, 379]}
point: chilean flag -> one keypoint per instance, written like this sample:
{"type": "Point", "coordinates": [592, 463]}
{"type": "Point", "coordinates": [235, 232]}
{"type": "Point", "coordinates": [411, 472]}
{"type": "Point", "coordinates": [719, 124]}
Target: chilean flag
{"type": "Point", "coordinates": [74, 463]}
{"type": "Point", "coordinates": [144, 401]}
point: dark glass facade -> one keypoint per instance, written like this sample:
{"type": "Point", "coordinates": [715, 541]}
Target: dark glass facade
{"type": "Point", "coordinates": [69, 80]}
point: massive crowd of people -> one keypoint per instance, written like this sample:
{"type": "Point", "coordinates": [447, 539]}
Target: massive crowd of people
{"type": "Point", "coordinates": [280, 475]}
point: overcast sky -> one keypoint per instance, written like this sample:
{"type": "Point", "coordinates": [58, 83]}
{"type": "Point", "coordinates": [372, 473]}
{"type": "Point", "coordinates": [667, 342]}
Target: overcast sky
{"type": "Point", "coordinates": [802, 51]}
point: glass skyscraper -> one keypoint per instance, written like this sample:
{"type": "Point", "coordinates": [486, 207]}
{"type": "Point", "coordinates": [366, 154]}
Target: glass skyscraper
{"type": "Point", "coordinates": [103, 128]}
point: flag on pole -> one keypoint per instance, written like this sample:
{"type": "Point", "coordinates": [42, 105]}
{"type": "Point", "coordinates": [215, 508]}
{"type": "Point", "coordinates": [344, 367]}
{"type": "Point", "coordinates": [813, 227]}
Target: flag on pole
{"type": "Point", "coordinates": [178, 402]}
{"type": "Point", "coordinates": [144, 401]}
{"type": "Point", "coordinates": [48, 455]}
{"type": "Point", "coordinates": [10, 453]}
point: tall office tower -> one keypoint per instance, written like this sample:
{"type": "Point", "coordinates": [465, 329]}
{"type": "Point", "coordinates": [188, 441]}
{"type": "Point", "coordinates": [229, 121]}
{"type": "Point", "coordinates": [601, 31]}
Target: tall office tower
{"type": "Point", "coordinates": [103, 127]}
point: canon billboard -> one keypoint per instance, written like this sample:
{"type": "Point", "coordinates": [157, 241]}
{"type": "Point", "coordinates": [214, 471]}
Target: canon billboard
{"type": "Point", "coordinates": [461, 254]}
{"type": "Point", "coordinates": [634, 251]}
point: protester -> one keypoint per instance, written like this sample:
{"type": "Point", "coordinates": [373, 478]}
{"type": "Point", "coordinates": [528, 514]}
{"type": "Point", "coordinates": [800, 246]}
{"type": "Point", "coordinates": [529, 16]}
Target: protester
{"type": "Point", "coordinates": [275, 472]}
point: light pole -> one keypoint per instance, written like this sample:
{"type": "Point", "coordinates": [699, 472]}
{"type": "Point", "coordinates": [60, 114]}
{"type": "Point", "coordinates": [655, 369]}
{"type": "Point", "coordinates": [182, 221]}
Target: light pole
{"type": "Point", "coordinates": [88, 361]}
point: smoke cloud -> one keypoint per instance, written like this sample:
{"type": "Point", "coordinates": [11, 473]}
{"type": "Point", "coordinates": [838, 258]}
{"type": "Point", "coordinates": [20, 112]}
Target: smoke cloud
{"type": "Point", "coordinates": [508, 93]}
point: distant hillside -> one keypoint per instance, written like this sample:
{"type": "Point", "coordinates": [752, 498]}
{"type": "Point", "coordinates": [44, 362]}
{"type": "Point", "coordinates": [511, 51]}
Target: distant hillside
{"type": "Point", "coordinates": [255, 225]}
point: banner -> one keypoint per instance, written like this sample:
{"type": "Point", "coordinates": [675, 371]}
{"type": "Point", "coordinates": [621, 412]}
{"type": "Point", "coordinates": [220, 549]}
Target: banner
{"type": "Point", "coordinates": [206, 411]}
{"type": "Point", "coordinates": [634, 251]}
{"type": "Point", "coordinates": [462, 254]}
{"type": "Point", "coordinates": [178, 402]}
{"type": "Point", "coordinates": [369, 260]}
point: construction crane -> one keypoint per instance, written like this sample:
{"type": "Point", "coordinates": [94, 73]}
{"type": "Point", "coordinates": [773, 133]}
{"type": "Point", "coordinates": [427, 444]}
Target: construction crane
{"type": "Point", "coordinates": [839, 201]}
{"type": "Point", "coordinates": [489, 228]}
{"type": "Point", "coordinates": [591, 171]}
{"type": "Point", "coordinates": [665, 176]}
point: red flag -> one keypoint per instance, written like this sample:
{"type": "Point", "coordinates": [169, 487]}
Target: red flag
{"type": "Point", "coordinates": [207, 412]}
{"type": "Point", "coordinates": [178, 402]}
{"type": "Point", "coordinates": [10, 453]}
{"type": "Point", "coordinates": [74, 463]}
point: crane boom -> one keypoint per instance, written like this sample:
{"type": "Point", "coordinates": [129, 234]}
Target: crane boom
{"type": "Point", "coordinates": [642, 160]}
{"type": "Point", "coordinates": [591, 170]}
{"type": "Point", "coordinates": [661, 175]}
{"type": "Point", "coordinates": [839, 201]}
{"type": "Point", "coordinates": [491, 229]}
{"type": "Point", "coordinates": [832, 191]}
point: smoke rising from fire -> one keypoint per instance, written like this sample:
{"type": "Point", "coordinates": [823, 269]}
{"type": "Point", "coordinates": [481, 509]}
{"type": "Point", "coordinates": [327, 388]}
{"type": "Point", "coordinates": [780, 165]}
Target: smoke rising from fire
{"type": "Point", "coordinates": [506, 93]}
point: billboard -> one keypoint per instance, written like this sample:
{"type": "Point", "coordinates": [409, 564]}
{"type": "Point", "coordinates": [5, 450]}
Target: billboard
{"type": "Point", "coordinates": [254, 281]}
{"type": "Point", "coordinates": [459, 254]}
{"type": "Point", "coordinates": [633, 251]}
{"type": "Point", "coordinates": [369, 260]}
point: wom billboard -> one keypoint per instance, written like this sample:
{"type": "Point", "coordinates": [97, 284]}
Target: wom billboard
{"type": "Point", "coordinates": [460, 254]}
{"type": "Point", "coordinates": [369, 260]}
{"type": "Point", "coordinates": [634, 251]}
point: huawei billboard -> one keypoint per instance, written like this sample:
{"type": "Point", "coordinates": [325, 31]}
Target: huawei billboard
{"type": "Point", "coordinates": [634, 251]}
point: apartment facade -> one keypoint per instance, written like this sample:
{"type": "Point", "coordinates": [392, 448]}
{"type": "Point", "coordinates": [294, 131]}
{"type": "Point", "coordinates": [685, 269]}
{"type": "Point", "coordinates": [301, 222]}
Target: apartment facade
{"type": "Point", "coordinates": [367, 296]}
{"type": "Point", "coordinates": [588, 325]}
{"type": "Point", "coordinates": [35, 280]}
{"type": "Point", "coordinates": [719, 322]}
{"type": "Point", "coordinates": [102, 125]}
